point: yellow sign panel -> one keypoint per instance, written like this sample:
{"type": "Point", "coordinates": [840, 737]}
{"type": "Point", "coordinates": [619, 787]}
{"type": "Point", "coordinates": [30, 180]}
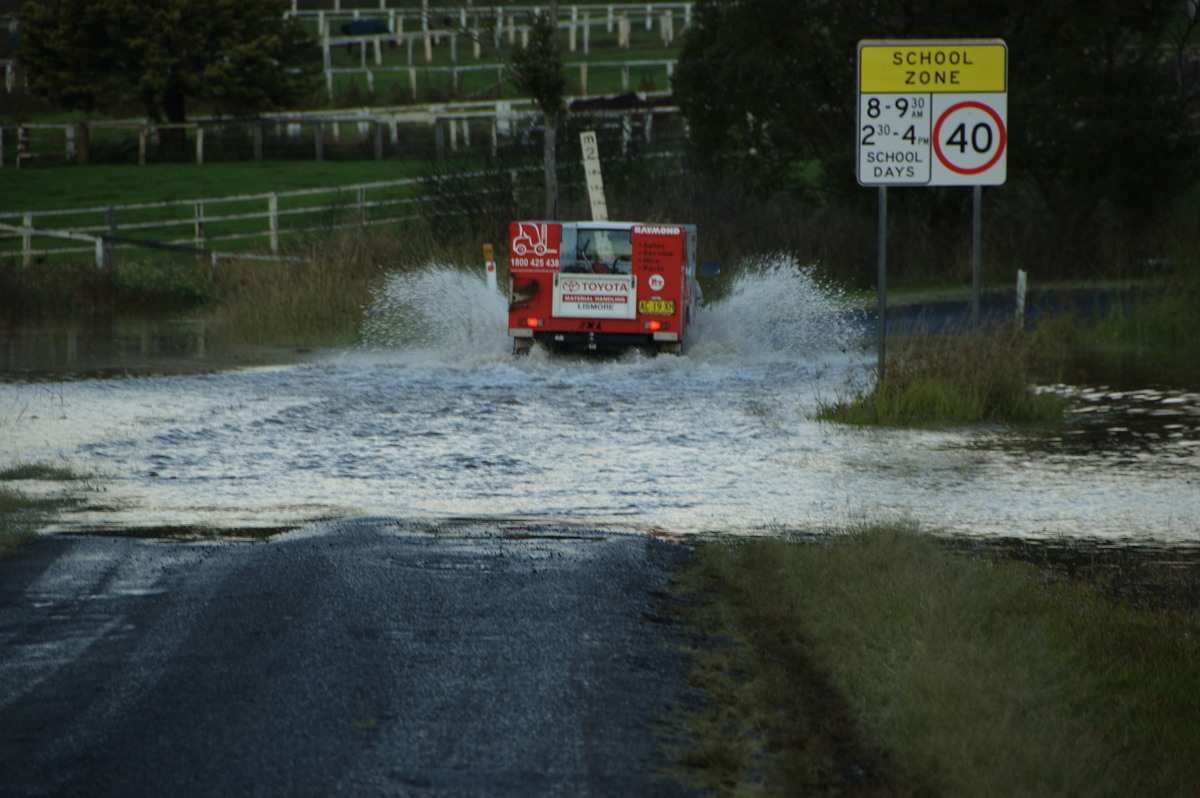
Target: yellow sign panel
{"type": "Point", "coordinates": [895, 67]}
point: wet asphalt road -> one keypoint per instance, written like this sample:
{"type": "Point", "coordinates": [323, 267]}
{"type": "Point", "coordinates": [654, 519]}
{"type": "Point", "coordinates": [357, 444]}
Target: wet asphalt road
{"type": "Point", "coordinates": [367, 657]}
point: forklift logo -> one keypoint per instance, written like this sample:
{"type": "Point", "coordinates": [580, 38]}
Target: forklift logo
{"type": "Point", "coordinates": [533, 239]}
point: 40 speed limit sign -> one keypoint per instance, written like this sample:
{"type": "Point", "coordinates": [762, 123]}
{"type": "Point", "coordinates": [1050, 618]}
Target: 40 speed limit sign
{"type": "Point", "coordinates": [932, 113]}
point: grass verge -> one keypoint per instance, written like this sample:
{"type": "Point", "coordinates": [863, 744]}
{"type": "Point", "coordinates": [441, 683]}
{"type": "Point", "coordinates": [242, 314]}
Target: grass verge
{"type": "Point", "coordinates": [962, 378]}
{"type": "Point", "coordinates": [20, 515]}
{"type": "Point", "coordinates": [1158, 323]}
{"type": "Point", "coordinates": [882, 663]}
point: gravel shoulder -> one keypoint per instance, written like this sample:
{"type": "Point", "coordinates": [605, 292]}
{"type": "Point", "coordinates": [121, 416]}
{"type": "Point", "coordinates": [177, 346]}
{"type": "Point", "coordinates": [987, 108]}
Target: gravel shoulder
{"type": "Point", "coordinates": [366, 657]}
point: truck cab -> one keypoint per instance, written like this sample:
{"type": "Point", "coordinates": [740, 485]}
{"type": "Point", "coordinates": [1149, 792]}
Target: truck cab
{"type": "Point", "coordinates": [601, 285]}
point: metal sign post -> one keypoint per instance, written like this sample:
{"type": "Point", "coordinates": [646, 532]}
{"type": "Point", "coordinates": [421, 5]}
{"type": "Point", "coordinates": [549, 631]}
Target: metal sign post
{"type": "Point", "coordinates": [881, 329]}
{"type": "Point", "coordinates": [932, 113]}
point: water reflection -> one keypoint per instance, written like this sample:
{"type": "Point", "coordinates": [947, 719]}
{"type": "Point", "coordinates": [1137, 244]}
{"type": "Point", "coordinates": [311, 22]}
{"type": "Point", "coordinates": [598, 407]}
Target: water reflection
{"type": "Point", "coordinates": [1121, 425]}
{"type": "Point", "coordinates": [101, 345]}
{"type": "Point", "coordinates": [98, 346]}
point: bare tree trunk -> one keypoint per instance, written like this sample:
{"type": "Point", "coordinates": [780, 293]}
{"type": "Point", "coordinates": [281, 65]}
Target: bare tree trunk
{"type": "Point", "coordinates": [174, 103]}
{"type": "Point", "coordinates": [550, 163]}
{"type": "Point", "coordinates": [550, 145]}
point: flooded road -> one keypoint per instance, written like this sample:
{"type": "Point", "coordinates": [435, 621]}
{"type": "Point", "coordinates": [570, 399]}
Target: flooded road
{"type": "Point", "coordinates": [435, 419]}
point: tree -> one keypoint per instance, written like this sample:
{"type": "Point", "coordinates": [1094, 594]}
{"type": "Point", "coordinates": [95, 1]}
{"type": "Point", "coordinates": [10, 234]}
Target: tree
{"type": "Point", "coordinates": [536, 69]}
{"type": "Point", "coordinates": [242, 56]}
{"type": "Point", "coordinates": [1096, 103]}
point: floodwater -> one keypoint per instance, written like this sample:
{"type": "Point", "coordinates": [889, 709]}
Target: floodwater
{"type": "Point", "coordinates": [435, 420]}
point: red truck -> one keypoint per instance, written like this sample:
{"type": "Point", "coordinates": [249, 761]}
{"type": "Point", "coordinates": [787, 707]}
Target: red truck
{"type": "Point", "coordinates": [602, 285]}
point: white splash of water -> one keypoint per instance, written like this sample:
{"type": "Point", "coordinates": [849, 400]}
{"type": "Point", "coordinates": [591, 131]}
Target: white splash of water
{"type": "Point", "coordinates": [441, 310]}
{"type": "Point", "coordinates": [777, 307]}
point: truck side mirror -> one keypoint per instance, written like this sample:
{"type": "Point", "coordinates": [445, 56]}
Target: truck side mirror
{"type": "Point", "coordinates": [710, 269]}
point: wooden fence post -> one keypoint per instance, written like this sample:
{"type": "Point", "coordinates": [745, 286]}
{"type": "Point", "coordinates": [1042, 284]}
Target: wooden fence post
{"type": "Point", "coordinates": [257, 131]}
{"type": "Point", "coordinates": [199, 145]}
{"type": "Point", "coordinates": [110, 246]}
{"type": "Point", "coordinates": [425, 30]}
{"type": "Point", "coordinates": [83, 139]}
{"type": "Point", "coordinates": [142, 145]}
{"type": "Point", "coordinates": [26, 238]}
{"type": "Point", "coordinates": [199, 226]}
{"type": "Point", "coordinates": [23, 154]}
{"type": "Point", "coordinates": [319, 139]}
{"type": "Point", "coordinates": [273, 220]}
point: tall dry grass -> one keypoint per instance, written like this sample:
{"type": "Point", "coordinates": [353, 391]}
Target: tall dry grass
{"type": "Point", "coordinates": [318, 300]}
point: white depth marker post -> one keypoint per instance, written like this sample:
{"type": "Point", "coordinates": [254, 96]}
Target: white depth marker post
{"type": "Point", "coordinates": [591, 170]}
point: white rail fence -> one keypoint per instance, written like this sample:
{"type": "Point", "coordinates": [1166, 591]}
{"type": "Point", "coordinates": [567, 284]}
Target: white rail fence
{"type": "Point", "coordinates": [582, 68]}
{"type": "Point", "coordinates": [196, 225]}
{"type": "Point", "coordinates": [367, 28]}
{"type": "Point", "coordinates": [407, 27]}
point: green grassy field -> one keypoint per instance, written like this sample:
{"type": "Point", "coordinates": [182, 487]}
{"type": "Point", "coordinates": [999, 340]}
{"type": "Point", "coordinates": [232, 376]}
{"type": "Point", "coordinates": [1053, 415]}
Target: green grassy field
{"type": "Point", "coordinates": [50, 188]}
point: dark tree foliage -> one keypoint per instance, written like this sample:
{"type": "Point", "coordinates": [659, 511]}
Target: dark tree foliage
{"type": "Point", "coordinates": [1098, 103]}
{"type": "Point", "coordinates": [240, 56]}
{"type": "Point", "coordinates": [536, 70]}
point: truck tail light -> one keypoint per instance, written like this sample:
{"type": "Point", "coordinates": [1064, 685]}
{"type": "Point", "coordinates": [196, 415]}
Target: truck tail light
{"type": "Point", "coordinates": [533, 321]}
{"type": "Point", "coordinates": [654, 325]}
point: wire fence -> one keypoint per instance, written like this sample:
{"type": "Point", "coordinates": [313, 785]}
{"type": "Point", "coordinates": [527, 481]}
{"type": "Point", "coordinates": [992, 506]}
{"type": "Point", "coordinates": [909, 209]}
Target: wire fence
{"type": "Point", "coordinates": [436, 132]}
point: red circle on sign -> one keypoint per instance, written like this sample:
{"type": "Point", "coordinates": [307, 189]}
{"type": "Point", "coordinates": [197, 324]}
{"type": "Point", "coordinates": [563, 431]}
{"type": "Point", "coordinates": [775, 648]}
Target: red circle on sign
{"type": "Point", "coordinates": [937, 140]}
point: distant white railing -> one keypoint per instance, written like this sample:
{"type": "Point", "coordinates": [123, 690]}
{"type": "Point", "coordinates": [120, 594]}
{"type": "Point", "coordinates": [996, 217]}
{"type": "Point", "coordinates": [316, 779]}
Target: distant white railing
{"type": "Point", "coordinates": [270, 216]}
{"type": "Point", "coordinates": [583, 68]}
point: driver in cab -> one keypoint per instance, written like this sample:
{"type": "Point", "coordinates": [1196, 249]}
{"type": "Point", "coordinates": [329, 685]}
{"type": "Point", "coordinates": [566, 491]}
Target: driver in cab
{"type": "Point", "coordinates": [601, 252]}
